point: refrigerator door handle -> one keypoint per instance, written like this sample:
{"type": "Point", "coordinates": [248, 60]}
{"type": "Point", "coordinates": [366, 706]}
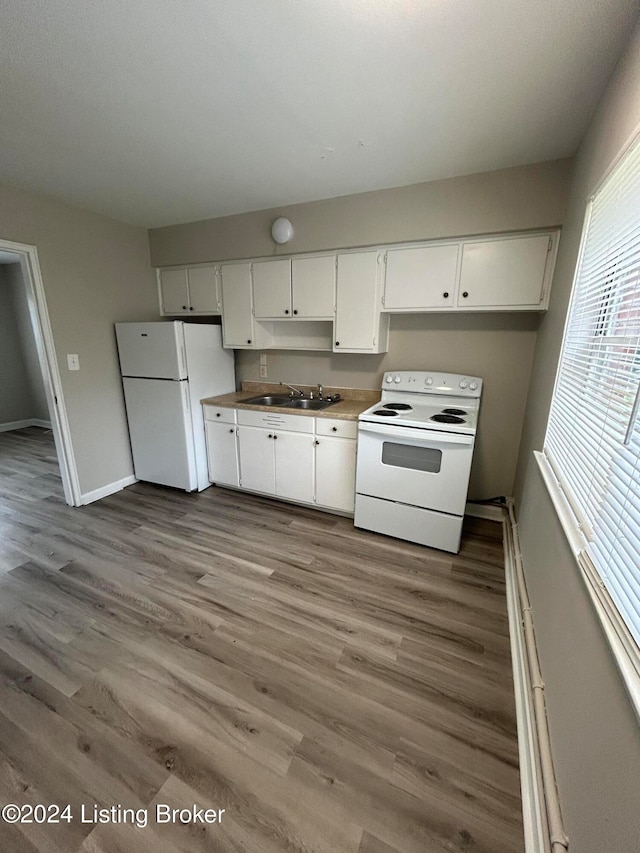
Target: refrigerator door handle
{"type": "Point", "coordinates": [185, 394]}
{"type": "Point", "coordinates": [183, 359]}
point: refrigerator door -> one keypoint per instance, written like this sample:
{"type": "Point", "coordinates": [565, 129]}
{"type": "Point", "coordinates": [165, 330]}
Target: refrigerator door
{"type": "Point", "coordinates": [159, 416]}
{"type": "Point", "coordinates": [152, 350]}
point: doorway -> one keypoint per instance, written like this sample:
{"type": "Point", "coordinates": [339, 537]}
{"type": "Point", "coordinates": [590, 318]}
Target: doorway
{"type": "Point", "coordinates": [21, 261]}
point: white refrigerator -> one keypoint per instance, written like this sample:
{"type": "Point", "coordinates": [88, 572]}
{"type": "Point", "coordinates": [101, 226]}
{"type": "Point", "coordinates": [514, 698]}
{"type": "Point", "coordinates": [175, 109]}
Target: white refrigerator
{"type": "Point", "coordinates": [167, 368]}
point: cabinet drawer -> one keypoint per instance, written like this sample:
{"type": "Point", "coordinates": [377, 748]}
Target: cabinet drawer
{"type": "Point", "coordinates": [223, 416]}
{"type": "Point", "coordinates": [276, 420]}
{"type": "Point", "coordinates": [336, 426]}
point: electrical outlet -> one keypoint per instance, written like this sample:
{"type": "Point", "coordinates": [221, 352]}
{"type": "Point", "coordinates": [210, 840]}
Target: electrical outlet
{"type": "Point", "coordinates": [73, 362]}
{"type": "Point", "coordinates": [263, 371]}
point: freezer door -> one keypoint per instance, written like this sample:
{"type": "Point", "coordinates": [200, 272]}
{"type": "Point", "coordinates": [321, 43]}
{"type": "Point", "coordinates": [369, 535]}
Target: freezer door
{"type": "Point", "coordinates": [159, 418]}
{"type": "Point", "coordinates": [152, 350]}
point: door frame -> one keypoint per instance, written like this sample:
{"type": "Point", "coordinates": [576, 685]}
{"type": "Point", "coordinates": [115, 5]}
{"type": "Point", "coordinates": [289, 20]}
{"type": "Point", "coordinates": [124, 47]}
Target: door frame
{"type": "Point", "coordinates": [45, 346]}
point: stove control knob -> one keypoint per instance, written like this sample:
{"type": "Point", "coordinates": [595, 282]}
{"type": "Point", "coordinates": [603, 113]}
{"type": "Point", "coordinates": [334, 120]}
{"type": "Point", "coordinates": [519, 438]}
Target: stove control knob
{"type": "Point", "coordinates": [428, 380]}
{"type": "Point", "coordinates": [473, 386]}
{"type": "Point", "coordinates": [397, 379]}
{"type": "Point", "coordinates": [388, 378]}
{"type": "Point", "coordinates": [463, 384]}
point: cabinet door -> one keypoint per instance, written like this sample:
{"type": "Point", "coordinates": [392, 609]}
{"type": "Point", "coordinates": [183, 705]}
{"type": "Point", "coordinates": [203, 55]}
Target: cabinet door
{"type": "Point", "coordinates": [256, 452]}
{"type": "Point", "coordinates": [357, 307]}
{"type": "Point", "coordinates": [203, 290]}
{"type": "Point", "coordinates": [503, 273]}
{"type": "Point", "coordinates": [174, 292]}
{"type": "Point", "coordinates": [294, 466]}
{"type": "Point", "coordinates": [237, 319]}
{"type": "Point", "coordinates": [336, 473]}
{"type": "Point", "coordinates": [222, 453]}
{"type": "Point", "coordinates": [424, 277]}
{"type": "Point", "coordinates": [272, 289]}
{"type": "Point", "coordinates": [314, 286]}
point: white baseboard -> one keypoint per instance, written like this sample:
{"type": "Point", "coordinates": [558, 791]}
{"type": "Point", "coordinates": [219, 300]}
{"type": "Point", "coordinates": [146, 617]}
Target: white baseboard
{"type": "Point", "coordinates": [11, 425]}
{"type": "Point", "coordinates": [488, 511]}
{"type": "Point", "coordinates": [109, 489]}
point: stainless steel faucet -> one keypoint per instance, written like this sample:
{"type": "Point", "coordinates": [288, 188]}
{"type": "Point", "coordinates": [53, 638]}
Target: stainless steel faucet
{"type": "Point", "coordinates": [294, 390]}
{"type": "Point", "coordinates": [319, 391]}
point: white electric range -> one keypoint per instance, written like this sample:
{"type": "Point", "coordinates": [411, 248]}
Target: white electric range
{"type": "Point", "coordinates": [414, 457]}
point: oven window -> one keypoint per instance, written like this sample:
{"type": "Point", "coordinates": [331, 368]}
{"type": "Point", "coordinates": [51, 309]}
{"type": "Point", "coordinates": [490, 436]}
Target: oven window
{"type": "Point", "coordinates": [408, 456]}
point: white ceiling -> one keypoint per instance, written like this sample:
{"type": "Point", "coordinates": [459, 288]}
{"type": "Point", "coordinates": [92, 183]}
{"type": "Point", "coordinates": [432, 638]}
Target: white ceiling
{"type": "Point", "coordinates": [165, 111]}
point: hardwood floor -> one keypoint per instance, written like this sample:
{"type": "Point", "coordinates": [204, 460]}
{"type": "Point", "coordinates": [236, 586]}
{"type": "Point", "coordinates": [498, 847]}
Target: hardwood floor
{"type": "Point", "coordinates": [332, 690]}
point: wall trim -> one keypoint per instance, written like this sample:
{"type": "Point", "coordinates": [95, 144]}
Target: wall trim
{"type": "Point", "coordinates": [109, 489]}
{"type": "Point", "coordinates": [28, 422]}
{"type": "Point", "coordinates": [488, 511]}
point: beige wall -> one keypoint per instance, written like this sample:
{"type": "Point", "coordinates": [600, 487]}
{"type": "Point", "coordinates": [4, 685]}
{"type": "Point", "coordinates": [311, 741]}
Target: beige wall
{"type": "Point", "coordinates": [499, 348]}
{"type": "Point", "coordinates": [510, 199]}
{"type": "Point", "coordinates": [95, 271]}
{"type": "Point", "coordinates": [595, 735]}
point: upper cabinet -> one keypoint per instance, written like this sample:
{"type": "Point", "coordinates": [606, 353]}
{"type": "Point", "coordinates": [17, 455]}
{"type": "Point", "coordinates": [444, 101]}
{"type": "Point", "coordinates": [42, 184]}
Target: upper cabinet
{"type": "Point", "coordinates": [343, 302]}
{"type": "Point", "coordinates": [237, 308]}
{"type": "Point", "coordinates": [299, 288]}
{"type": "Point", "coordinates": [483, 274]}
{"type": "Point", "coordinates": [360, 327]}
{"type": "Point", "coordinates": [313, 284]}
{"type": "Point", "coordinates": [510, 273]}
{"type": "Point", "coordinates": [189, 290]}
{"type": "Point", "coordinates": [422, 277]}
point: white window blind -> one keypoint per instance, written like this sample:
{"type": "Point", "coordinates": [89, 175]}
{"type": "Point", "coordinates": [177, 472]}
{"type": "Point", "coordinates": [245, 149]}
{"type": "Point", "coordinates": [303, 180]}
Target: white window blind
{"type": "Point", "coordinates": [593, 434]}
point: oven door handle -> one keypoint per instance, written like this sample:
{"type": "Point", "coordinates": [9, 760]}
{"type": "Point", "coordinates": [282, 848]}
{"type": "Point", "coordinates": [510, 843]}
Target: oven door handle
{"type": "Point", "coordinates": [427, 436]}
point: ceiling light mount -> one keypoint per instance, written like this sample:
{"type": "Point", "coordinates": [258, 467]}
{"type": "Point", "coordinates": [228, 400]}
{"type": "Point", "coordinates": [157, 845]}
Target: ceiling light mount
{"type": "Point", "coordinates": [282, 230]}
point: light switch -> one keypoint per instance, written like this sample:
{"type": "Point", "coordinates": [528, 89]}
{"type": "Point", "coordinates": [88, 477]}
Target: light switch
{"type": "Point", "coordinates": [263, 358]}
{"type": "Point", "coordinates": [73, 362]}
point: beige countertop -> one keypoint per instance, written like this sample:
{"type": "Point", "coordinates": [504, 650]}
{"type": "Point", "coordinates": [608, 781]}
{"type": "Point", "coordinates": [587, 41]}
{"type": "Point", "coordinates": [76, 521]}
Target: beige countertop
{"type": "Point", "coordinates": [354, 400]}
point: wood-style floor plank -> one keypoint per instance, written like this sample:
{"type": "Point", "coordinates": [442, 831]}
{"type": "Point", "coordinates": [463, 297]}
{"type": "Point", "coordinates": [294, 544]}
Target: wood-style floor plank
{"type": "Point", "coordinates": [331, 690]}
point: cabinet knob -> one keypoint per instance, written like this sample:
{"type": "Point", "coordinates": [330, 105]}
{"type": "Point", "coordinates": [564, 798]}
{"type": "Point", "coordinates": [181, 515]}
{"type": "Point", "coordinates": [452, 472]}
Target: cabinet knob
{"type": "Point", "coordinates": [316, 442]}
{"type": "Point", "coordinates": [295, 310]}
{"type": "Point", "coordinates": [274, 437]}
{"type": "Point", "coordinates": [337, 343]}
{"type": "Point", "coordinates": [446, 294]}
{"type": "Point", "coordinates": [286, 310]}
{"type": "Point", "coordinates": [465, 294]}
{"type": "Point", "coordinates": [231, 430]}
{"type": "Point", "coordinates": [184, 307]}
{"type": "Point", "coordinates": [190, 307]}
{"type": "Point", "coordinates": [217, 414]}
{"type": "Point", "coordinates": [334, 429]}
{"type": "Point", "coordinates": [248, 340]}
{"type": "Point", "coordinates": [269, 436]}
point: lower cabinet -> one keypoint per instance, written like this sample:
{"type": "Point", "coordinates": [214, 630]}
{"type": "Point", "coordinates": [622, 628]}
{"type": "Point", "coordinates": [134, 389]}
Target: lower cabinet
{"type": "Point", "coordinates": [222, 453]}
{"type": "Point", "coordinates": [276, 462]}
{"type": "Point", "coordinates": [335, 473]}
{"type": "Point", "coordinates": [307, 460]}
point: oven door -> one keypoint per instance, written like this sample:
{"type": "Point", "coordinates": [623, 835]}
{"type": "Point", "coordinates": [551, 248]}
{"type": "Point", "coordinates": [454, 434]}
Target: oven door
{"type": "Point", "coordinates": [420, 467]}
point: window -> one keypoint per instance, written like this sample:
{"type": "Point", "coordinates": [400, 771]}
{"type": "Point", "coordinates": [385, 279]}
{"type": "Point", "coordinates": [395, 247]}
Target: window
{"type": "Point", "coordinates": [593, 434]}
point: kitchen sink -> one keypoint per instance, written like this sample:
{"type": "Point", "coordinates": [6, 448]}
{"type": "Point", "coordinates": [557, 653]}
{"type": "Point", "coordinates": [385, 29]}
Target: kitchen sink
{"type": "Point", "coordinates": [299, 403]}
{"type": "Point", "coordinates": [269, 400]}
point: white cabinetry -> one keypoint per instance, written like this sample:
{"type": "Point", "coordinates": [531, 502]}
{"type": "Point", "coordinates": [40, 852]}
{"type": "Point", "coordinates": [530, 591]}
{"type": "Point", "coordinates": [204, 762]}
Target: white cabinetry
{"type": "Point", "coordinates": [421, 277]}
{"type": "Point", "coordinates": [272, 289]}
{"type": "Point", "coordinates": [299, 288]}
{"type": "Point", "coordinates": [189, 290]}
{"type": "Point", "coordinates": [222, 447]}
{"type": "Point", "coordinates": [514, 273]}
{"type": "Point", "coordinates": [313, 283]}
{"type": "Point", "coordinates": [277, 458]}
{"type": "Point", "coordinates": [295, 457]}
{"type": "Point", "coordinates": [237, 308]}
{"type": "Point", "coordinates": [335, 463]}
{"type": "Point", "coordinates": [360, 327]}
